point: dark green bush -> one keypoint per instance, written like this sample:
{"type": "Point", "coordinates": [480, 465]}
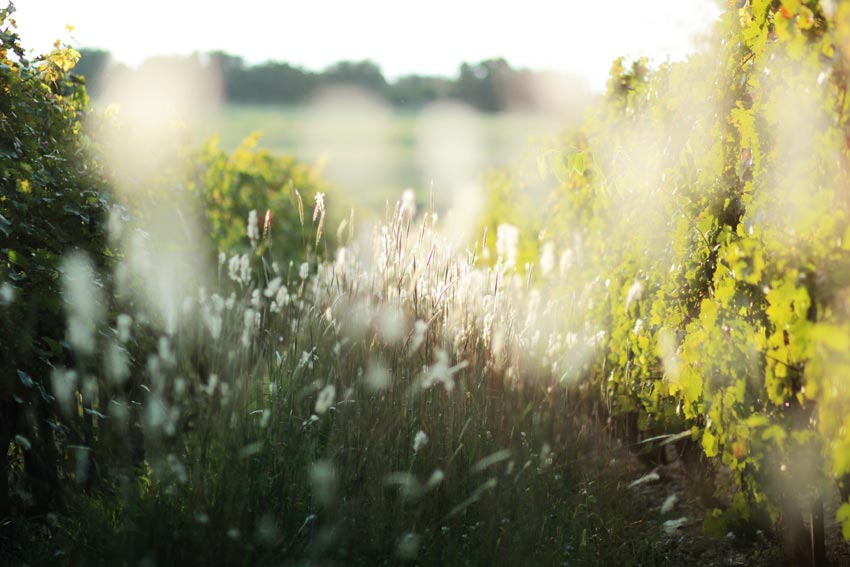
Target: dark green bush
{"type": "Point", "coordinates": [52, 202]}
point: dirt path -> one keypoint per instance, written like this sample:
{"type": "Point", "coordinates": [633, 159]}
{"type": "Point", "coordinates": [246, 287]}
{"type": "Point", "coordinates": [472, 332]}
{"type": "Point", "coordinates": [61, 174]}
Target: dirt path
{"type": "Point", "coordinates": [680, 517]}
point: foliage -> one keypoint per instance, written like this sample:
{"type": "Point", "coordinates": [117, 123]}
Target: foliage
{"type": "Point", "coordinates": [713, 229]}
{"type": "Point", "coordinates": [230, 185]}
{"type": "Point", "coordinates": [52, 203]}
{"type": "Point", "coordinates": [67, 364]}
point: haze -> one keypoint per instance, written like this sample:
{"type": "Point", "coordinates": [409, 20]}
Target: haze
{"type": "Point", "coordinates": [402, 37]}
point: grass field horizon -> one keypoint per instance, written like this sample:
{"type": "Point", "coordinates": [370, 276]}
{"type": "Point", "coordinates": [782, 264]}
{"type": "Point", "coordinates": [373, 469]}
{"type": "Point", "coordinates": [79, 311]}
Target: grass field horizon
{"type": "Point", "coordinates": [397, 139]}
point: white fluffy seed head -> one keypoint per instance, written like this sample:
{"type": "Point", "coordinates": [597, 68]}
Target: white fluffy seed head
{"type": "Point", "coordinates": [419, 441]}
{"type": "Point", "coordinates": [326, 399]}
{"type": "Point", "coordinates": [253, 230]}
{"type": "Point", "coordinates": [507, 243]}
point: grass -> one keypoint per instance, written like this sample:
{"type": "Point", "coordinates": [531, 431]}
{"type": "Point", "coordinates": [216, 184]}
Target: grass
{"type": "Point", "coordinates": [372, 152]}
{"type": "Point", "coordinates": [399, 404]}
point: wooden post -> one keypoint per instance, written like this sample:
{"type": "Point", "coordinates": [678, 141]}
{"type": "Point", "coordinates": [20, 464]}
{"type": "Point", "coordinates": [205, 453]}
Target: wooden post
{"type": "Point", "coordinates": [797, 541]}
{"type": "Point", "coordinates": [818, 538]}
{"type": "Point", "coordinates": [6, 423]}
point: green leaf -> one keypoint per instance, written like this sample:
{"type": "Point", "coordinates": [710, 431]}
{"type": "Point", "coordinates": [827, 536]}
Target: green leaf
{"type": "Point", "coordinates": [25, 379]}
{"type": "Point", "coordinates": [578, 163]}
{"type": "Point", "coordinates": [708, 313]}
{"type": "Point", "coordinates": [710, 444]}
{"type": "Point", "coordinates": [541, 166]}
{"type": "Point", "coordinates": [775, 433]}
{"type": "Point", "coordinates": [833, 337]}
{"type": "Point", "coordinates": [560, 169]}
{"type": "Point", "coordinates": [843, 516]}
{"type": "Point", "coordinates": [757, 420]}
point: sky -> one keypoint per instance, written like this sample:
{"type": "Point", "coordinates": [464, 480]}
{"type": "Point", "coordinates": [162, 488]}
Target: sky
{"type": "Point", "coordinates": [575, 36]}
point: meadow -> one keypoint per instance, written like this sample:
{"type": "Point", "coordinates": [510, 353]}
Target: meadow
{"type": "Point", "coordinates": [374, 152]}
{"type": "Point", "coordinates": [506, 134]}
{"type": "Point", "coordinates": [632, 349]}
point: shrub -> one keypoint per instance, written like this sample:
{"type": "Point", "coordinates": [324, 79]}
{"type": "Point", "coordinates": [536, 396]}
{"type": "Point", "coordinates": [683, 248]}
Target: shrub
{"type": "Point", "coordinates": [52, 203]}
{"type": "Point", "coordinates": [714, 232]}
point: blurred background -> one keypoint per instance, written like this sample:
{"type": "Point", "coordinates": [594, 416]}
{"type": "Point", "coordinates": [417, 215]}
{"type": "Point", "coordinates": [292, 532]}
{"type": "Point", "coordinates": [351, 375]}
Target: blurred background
{"type": "Point", "coordinates": [381, 96]}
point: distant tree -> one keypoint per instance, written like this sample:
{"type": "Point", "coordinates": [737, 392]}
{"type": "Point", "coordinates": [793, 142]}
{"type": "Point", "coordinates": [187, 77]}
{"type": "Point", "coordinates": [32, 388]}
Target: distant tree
{"type": "Point", "coordinates": [92, 65]}
{"type": "Point", "coordinates": [417, 91]}
{"type": "Point", "coordinates": [491, 85]}
{"type": "Point", "coordinates": [231, 69]}
{"type": "Point", "coordinates": [226, 63]}
{"type": "Point", "coordinates": [485, 85]}
{"type": "Point", "coordinates": [363, 74]}
{"type": "Point", "coordinates": [275, 82]}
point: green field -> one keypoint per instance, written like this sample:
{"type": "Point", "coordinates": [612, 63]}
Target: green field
{"type": "Point", "coordinates": [379, 152]}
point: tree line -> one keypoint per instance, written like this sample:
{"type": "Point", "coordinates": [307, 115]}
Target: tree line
{"type": "Point", "coordinates": [492, 85]}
